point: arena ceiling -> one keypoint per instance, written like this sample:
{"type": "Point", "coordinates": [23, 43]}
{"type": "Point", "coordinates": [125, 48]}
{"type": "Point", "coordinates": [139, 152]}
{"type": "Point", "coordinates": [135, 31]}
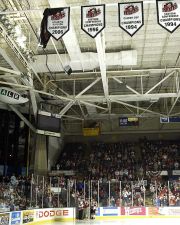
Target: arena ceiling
{"type": "Point", "coordinates": [113, 74]}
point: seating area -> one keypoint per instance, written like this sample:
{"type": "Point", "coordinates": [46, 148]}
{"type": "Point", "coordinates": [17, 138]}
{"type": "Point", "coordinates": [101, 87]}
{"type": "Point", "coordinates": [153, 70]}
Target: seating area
{"type": "Point", "coordinates": [120, 161]}
{"type": "Point", "coordinates": [110, 174]}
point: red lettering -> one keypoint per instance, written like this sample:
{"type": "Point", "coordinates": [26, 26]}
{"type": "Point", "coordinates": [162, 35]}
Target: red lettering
{"type": "Point", "coordinates": [65, 212]}
{"type": "Point", "coordinates": [46, 213]}
{"type": "Point", "coordinates": [40, 214]}
{"type": "Point", "coordinates": [58, 213]}
{"type": "Point", "coordinates": [52, 213]}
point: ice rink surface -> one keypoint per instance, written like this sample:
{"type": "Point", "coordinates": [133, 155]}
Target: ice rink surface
{"type": "Point", "coordinates": [159, 221]}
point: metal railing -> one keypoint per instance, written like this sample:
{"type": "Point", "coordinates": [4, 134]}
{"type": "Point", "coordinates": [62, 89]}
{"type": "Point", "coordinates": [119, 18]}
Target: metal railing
{"type": "Point", "coordinates": [47, 192]}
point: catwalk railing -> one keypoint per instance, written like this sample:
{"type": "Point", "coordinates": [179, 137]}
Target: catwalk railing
{"type": "Point", "coordinates": [57, 192]}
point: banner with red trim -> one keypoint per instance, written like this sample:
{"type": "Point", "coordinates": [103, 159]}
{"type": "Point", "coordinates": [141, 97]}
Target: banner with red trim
{"type": "Point", "coordinates": [168, 14]}
{"type": "Point", "coordinates": [131, 17]}
{"type": "Point", "coordinates": [93, 19]}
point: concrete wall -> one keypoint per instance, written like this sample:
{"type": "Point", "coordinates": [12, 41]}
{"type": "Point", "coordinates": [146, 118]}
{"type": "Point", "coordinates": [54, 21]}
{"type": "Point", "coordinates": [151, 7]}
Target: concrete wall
{"type": "Point", "coordinates": [111, 131]}
{"type": "Point", "coordinates": [55, 146]}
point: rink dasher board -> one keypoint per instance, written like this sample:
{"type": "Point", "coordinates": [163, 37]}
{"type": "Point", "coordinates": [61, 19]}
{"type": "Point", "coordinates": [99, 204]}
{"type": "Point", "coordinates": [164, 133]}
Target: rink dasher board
{"type": "Point", "coordinates": [134, 217]}
{"type": "Point", "coordinates": [50, 215]}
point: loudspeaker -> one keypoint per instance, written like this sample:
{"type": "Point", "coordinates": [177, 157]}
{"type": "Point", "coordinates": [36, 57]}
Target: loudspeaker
{"type": "Point", "coordinates": [68, 70]}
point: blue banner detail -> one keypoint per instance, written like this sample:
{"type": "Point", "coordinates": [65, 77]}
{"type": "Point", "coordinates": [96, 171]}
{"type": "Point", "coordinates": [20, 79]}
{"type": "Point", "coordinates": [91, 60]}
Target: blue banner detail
{"type": "Point", "coordinates": [98, 212]}
{"type": "Point", "coordinates": [16, 218]}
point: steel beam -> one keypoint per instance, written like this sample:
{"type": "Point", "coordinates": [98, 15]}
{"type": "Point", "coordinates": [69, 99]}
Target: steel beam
{"type": "Point", "coordinates": [93, 105]}
{"type": "Point", "coordinates": [139, 108]}
{"type": "Point", "coordinates": [127, 86]}
{"type": "Point", "coordinates": [161, 81]}
{"type": "Point", "coordinates": [102, 63]}
{"type": "Point", "coordinates": [14, 109]}
{"type": "Point", "coordinates": [172, 107]}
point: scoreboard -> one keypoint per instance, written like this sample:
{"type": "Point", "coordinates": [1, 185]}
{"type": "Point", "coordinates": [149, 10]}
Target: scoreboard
{"type": "Point", "coordinates": [128, 121]}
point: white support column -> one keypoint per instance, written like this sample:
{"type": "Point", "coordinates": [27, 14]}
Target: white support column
{"type": "Point", "coordinates": [102, 63]}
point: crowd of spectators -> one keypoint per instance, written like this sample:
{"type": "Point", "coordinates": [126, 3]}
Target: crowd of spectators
{"type": "Point", "coordinates": [20, 193]}
{"type": "Point", "coordinates": [160, 155]}
{"type": "Point", "coordinates": [71, 158]}
{"type": "Point", "coordinates": [120, 161]}
{"type": "Point", "coordinates": [127, 162]}
{"type": "Point", "coordinates": [166, 195]}
{"type": "Point", "coordinates": [108, 173]}
{"type": "Point", "coordinates": [14, 192]}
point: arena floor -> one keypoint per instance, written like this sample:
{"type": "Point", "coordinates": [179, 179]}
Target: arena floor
{"type": "Point", "coordinates": [165, 221]}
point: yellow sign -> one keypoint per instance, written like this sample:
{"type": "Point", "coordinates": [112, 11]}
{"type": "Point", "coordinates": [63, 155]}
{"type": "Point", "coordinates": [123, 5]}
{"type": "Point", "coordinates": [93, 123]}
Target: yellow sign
{"type": "Point", "coordinates": [91, 131]}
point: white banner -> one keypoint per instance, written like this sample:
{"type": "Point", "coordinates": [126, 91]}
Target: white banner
{"type": "Point", "coordinates": [58, 22]}
{"type": "Point", "coordinates": [176, 172]}
{"type": "Point", "coordinates": [93, 19]}
{"type": "Point", "coordinates": [168, 14]}
{"type": "Point", "coordinates": [131, 17]}
{"type": "Point", "coordinates": [169, 211]}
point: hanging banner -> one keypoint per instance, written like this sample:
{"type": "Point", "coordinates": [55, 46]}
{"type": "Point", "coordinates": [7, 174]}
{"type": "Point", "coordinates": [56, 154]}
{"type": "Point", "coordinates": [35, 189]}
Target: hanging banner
{"type": "Point", "coordinates": [131, 17]}
{"type": "Point", "coordinates": [55, 23]}
{"type": "Point", "coordinates": [168, 14]}
{"type": "Point", "coordinates": [93, 19]}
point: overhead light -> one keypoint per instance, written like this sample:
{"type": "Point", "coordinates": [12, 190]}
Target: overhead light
{"type": "Point", "coordinates": [21, 41]}
{"type": "Point", "coordinates": [18, 30]}
{"type": "Point", "coordinates": [153, 100]}
{"type": "Point", "coordinates": [68, 70]}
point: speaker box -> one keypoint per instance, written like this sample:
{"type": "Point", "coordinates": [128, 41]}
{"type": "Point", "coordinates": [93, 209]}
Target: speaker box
{"type": "Point", "coordinates": [68, 70]}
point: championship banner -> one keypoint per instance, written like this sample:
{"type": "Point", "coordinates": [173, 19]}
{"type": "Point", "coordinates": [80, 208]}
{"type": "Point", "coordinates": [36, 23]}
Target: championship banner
{"type": "Point", "coordinates": [131, 17]}
{"type": "Point", "coordinates": [55, 23]}
{"type": "Point", "coordinates": [93, 19]}
{"type": "Point", "coordinates": [168, 14]}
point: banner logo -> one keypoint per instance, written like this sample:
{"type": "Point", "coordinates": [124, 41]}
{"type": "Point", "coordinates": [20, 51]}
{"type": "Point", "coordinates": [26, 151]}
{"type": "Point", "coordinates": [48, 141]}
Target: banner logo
{"type": "Point", "coordinates": [131, 17]}
{"type": "Point", "coordinates": [129, 10]}
{"type": "Point", "coordinates": [169, 7]}
{"type": "Point", "coordinates": [93, 19]}
{"type": "Point", "coordinates": [93, 12]}
{"type": "Point", "coordinates": [58, 16]}
{"type": "Point", "coordinates": [168, 14]}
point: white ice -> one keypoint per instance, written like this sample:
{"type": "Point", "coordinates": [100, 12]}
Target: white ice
{"type": "Point", "coordinates": [162, 221]}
